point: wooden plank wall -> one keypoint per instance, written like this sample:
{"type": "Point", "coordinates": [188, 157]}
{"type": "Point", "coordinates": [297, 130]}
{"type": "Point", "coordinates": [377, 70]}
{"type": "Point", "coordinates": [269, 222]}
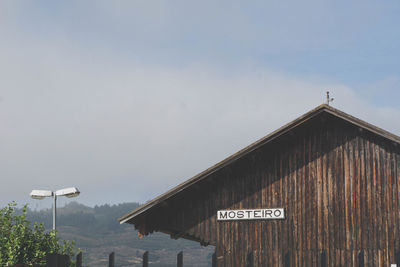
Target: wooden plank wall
{"type": "Point", "coordinates": [339, 186]}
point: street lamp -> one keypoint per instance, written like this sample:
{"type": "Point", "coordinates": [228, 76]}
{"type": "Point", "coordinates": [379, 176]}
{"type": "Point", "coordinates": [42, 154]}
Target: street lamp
{"type": "Point", "coordinates": [68, 192]}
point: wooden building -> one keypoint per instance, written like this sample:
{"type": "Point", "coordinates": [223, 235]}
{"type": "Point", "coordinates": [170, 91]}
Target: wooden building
{"type": "Point", "coordinates": [334, 178]}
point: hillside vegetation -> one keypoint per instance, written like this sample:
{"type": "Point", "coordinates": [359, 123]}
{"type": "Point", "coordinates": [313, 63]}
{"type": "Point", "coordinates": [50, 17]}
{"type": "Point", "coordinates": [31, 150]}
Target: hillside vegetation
{"type": "Point", "coordinates": [97, 232]}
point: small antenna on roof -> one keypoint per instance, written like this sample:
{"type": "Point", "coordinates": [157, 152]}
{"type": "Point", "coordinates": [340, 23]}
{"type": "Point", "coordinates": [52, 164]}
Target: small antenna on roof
{"type": "Point", "coordinates": [328, 98]}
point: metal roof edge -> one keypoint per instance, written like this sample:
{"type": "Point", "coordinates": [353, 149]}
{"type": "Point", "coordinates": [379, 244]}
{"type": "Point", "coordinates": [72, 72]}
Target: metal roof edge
{"type": "Point", "coordinates": [275, 134]}
{"type": "Point", "coordinates": [363, 124]}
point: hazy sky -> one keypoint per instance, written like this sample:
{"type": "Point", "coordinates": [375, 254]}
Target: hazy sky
{"type": "Point", "coordinates": [126, 99]}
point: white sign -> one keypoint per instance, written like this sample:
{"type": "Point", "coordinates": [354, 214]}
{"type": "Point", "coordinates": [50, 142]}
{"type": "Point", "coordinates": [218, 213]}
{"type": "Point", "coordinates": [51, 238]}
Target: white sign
{"type": "Point", "coordinates": [254, 214]}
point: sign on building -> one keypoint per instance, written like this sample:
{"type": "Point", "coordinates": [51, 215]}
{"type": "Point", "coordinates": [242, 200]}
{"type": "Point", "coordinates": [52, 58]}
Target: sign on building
{"type": "Point", "coordinates": [251, 214]}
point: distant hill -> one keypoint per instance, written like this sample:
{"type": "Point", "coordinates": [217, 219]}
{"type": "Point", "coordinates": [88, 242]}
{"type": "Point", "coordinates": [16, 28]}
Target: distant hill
{"type": "Point", "coordinates": [97, 232]}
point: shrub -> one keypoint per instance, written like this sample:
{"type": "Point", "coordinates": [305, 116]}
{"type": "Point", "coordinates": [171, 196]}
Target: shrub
{"type": "Point", "coordinates": [22, 244]}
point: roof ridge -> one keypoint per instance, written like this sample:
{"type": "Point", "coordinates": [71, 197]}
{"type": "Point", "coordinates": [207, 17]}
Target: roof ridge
{"type": "Point", "coordinates": [260, 142]}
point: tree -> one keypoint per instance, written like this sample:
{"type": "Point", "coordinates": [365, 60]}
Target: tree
{"type": "Point", "coordinates": [22, 244]}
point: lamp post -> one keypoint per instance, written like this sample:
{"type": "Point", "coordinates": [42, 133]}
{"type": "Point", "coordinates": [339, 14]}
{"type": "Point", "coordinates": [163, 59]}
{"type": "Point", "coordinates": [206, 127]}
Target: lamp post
{"type": "Point", "coordinates": [68, 192]}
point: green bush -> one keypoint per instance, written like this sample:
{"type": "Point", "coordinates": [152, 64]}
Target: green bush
{"type": "Point", "coordinates": [22, 244]}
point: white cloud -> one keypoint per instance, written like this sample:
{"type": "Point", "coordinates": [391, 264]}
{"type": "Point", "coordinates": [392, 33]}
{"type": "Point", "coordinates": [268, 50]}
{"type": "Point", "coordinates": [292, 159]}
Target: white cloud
{"type": "Point", "coordinates": [127, 130]}
{"type": "Point", "coordinates": [128, 133]}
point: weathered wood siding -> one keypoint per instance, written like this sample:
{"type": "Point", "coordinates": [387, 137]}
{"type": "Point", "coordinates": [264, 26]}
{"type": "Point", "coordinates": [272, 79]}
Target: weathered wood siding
{"type": "Point", "coordinates": [339, 187]}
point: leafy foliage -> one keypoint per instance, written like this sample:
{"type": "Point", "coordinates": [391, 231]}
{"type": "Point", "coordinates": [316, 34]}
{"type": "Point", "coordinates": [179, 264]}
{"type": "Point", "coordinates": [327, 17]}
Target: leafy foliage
{"type": "Point", "coordinates": [22, 244]}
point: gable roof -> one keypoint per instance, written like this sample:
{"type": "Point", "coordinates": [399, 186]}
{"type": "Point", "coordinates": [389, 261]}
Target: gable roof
{"type": "Point", "coordinates": [272, 136]}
